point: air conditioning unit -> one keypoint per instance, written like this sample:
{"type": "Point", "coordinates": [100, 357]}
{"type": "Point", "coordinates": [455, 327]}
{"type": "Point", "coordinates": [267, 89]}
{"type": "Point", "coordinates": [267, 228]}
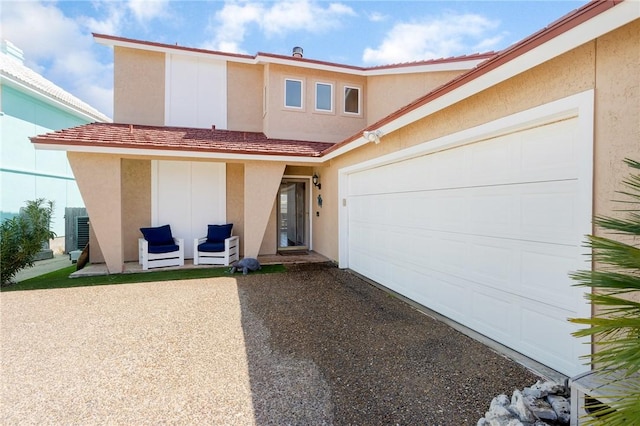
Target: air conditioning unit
{"type": "Point", "coordinates": [82, 232]}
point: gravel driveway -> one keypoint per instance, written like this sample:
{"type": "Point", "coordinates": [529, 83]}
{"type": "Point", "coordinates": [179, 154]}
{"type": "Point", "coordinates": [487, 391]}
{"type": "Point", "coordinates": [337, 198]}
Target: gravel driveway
{"type": "Point", "coordinates": [315, 345]}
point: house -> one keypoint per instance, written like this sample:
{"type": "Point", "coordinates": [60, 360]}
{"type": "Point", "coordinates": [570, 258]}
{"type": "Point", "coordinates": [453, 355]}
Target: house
{"type": "Point", "coordinates": [466, 185]}
{"type": "Point", "coordinates": [32, 105]}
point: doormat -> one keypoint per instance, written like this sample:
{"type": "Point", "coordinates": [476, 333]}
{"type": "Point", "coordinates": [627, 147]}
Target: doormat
{"type": "Point", "coordinates": [294, 253]}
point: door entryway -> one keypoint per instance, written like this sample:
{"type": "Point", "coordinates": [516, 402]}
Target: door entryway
{"type": "Point", "coordinates": [293, 212]}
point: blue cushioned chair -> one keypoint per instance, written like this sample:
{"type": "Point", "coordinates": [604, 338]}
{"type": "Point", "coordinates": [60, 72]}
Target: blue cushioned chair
{"type": "Point", "coordinates": [219, 247]}
{"type": "Point", "coordinates": [158, 248]}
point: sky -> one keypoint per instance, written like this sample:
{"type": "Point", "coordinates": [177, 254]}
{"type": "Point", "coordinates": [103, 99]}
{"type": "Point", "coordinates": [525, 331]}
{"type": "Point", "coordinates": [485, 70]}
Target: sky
{"type": "Point", "coordinates": [56, 36]}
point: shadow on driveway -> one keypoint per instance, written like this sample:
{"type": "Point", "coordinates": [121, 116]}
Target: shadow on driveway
{"type": "Point", "coordinates": [325, 347]}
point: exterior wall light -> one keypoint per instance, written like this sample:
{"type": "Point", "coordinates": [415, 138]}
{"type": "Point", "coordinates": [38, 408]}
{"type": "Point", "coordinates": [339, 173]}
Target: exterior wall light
{"type": "Point", "coordinates": [373, 136]}
{"type": "Point", "coordinates": [316, 181]}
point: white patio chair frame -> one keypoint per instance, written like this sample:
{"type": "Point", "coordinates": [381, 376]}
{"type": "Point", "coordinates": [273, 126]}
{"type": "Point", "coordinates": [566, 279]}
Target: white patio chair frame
{"type": "Point", "coordinates": [230, 254]}
{"type": "Point", "coordinates": [160, 260]}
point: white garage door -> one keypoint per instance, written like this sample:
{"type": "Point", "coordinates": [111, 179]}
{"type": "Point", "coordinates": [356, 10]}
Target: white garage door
{"type": "Point", "coordinates": [485, 234]}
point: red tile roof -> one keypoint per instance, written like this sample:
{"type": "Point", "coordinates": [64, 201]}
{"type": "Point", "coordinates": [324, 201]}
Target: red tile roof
{"type": "Point", "coordinates": [114, 135]}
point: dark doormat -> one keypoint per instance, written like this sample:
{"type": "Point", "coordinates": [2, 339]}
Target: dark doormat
{"type": "Point", "coordinates": [293, 252]}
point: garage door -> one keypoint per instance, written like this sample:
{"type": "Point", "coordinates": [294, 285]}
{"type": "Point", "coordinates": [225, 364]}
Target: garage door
{"type": "Point", "coordinates": [485, 234]}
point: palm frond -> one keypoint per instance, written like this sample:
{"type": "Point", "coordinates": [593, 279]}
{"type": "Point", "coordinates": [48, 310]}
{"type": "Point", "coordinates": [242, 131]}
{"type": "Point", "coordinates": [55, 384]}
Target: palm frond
{"type": "Point", "coordinates": [616, 325]}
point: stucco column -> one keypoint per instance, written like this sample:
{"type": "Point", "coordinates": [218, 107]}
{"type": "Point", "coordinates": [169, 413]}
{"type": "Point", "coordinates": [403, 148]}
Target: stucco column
{"type": "Point", "coordinates": [261, 183]}
{"type": "Point", "coordinates": [98, 178]}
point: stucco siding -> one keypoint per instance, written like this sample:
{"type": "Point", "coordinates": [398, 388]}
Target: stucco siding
{"type": "Point", "coordinates": [307, 123]}
{"type": "Point", "coordinates": [244, 97]}
{"type": "Point", "coordinates": [136, 204]}
{"type": "Point", "coordinates": [617, 118]}
{"type": "Point", "coordinates": [235, 200]}
{"type": "Point", "coordinates": [99, 179]}
{"type": "Point", "coordinates": [270, 239]}
{"type": "Point", "coordinates": [388, 93]}
{"type": "Point", "coordinates": [139, 87]}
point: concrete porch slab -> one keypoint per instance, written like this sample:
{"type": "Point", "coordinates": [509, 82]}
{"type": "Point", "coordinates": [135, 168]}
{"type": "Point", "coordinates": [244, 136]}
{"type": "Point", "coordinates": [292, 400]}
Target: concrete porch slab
{"type": "Point", "coordinates": [134, 267]}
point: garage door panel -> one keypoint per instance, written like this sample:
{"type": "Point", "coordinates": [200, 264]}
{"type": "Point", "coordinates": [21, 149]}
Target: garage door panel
{"type": "Point", "coordinates": [543, 275]}
{"type": "Point", "coordinates": [546, 335]}
{"type": "Point", "coordinates": [492, 262]}
{"type": "Point", "coordinates": [549, 152]}
{"type": "Point", "coordinates": [492, 313]}
{"type": "Point", "coordinates": [550, 213]}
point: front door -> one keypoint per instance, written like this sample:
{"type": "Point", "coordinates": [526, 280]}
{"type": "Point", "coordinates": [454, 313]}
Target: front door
{"type": "Point", "coordinates": [292, 216]}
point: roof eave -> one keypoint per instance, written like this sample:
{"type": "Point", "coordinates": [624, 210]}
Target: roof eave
{"type": "Point", "coordinates": [449, 64]}
{"type": "Point", "coordinates": [129, 150]}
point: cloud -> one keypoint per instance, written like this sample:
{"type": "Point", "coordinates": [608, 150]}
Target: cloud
{"type": "Point", "coordinates": [431, 38]}
{"type": "Point", "coordinates": [232, 23]}
{"type": "Point", "coordinates": [60, 49]}
{"type": "Point", "coordinates": [111, 23]}
{"type": "Point", "coordinates": [376, 17]}
{"type": "Point", "coordinates": [147, 10]}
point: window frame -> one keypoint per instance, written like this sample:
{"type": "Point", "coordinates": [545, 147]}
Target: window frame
{"type": "Point", "coordinates": [331, 97]}
{"type": "Point", "coordinates": [344, 100]}
{"type": "Point", "coordinates": [293, 107]}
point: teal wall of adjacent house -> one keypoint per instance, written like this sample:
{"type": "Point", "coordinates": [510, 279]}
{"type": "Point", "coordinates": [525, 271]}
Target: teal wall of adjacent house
{"type": "Point", "coordinates": [27, 173]}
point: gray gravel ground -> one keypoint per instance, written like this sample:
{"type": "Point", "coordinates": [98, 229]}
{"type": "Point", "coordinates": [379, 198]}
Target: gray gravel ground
{"type": "Point", "coordinates": [315, 345]}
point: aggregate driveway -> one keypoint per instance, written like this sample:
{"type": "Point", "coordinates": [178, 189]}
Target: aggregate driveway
{"type": "Point", "coordinates": [315, 345]}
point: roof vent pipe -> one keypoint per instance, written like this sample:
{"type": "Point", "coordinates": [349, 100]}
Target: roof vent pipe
{"type": "Point", "coordinates": [297, 52]}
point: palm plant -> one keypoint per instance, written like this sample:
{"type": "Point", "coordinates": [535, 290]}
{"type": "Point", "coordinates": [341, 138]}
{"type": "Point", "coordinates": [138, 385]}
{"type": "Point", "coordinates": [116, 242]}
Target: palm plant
{"type": "Point", "coordinates": [615, 325]}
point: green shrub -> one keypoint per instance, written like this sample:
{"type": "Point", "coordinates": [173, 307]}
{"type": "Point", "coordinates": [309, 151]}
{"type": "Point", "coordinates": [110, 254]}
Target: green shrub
{"type": "Point", "coordinates": [22, 237]}
{"type": "Point", "coordinates": [616, 324]}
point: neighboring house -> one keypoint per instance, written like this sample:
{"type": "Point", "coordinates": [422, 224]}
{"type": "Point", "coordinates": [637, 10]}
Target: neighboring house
{"type": "Point", "coordinates": [468, 190]}
{"type": "Point", "coordinates": [31, 105]}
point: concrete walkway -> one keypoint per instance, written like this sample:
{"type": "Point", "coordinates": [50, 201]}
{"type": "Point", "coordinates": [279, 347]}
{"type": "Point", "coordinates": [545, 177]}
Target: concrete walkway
{"type": "Point", "coordinates": [42, 267]}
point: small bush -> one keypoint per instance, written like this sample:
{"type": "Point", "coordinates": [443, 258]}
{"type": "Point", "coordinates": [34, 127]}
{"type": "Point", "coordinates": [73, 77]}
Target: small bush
{"type": "Point", "coordinates": [22, 237]}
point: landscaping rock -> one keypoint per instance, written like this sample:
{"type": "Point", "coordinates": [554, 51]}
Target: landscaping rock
{"type": "Point", "coordinates": [561, 406]}
{"type": "Point", "coordinates": [539, 405]}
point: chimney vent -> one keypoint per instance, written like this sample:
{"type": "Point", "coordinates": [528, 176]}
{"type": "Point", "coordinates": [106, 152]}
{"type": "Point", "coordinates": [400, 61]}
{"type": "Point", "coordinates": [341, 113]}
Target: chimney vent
{"type": "Point", "coordinates": [297, 52]}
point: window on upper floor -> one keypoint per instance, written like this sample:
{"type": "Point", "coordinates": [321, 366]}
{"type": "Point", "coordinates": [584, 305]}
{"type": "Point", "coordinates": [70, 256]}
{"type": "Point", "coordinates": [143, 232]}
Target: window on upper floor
{"type": "Point", "coordinates": [351, 100]}
{"type": "Point", "coordinates": [292, 93]}
{"type": "Point", "coordinates": [324, 97]}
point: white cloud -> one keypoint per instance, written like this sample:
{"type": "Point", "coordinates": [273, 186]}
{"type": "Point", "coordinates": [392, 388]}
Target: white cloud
{"type": "Point", "coordinates": [432, 38]}
{"type": "Point", "coordinates": [377, 17]}
{"type": "Point", "coordinates": [112, 18]}
{"type": "Point", "coordinates": [60, 49]}
{"type": "Point", "coordinates": [231, 24]}
{"type": "Point", "coordinates": [147, 10]}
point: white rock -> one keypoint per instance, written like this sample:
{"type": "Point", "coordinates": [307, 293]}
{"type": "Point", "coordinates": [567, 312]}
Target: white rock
{"type": "Point", "coordinates": [520, 409]}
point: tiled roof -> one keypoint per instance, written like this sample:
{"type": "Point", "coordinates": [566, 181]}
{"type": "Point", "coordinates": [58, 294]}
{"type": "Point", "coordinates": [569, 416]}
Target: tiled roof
{"type": "Point", "coordinates": [13, 68]}
{"type": "Point", "coordinates": [130, 136]}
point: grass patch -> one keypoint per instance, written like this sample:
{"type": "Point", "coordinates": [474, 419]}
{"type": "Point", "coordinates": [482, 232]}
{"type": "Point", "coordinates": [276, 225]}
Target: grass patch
{"type": "Point", "coordinates": [60, 278]}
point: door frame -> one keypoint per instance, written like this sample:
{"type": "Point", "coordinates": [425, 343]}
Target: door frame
{"type": "Point", "coordinates": [308, 215]}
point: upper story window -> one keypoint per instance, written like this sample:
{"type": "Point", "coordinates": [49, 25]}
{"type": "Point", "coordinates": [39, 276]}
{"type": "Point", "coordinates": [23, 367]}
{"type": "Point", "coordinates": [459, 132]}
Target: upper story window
{"type": "Point", "coordinates": [324, 97]}
{"type": "Point", "coordinates": [351, 100]}
{"type": "Point", "coordinates": [292, 93]}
